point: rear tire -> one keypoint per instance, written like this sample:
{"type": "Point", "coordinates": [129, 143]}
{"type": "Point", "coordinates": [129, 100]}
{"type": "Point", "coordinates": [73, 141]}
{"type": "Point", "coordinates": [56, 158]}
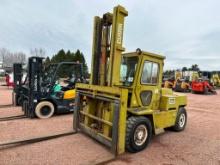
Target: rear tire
{"type": "Point", "coordinates": [44, 110]}
{"type": "Point", "coordinates": [181, 120]}
{"type": "Point", "coordinates": [138, 133]}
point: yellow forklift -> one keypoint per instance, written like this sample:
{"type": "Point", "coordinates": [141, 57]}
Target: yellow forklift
{"type": "Point", "coordinates": [125, 103]}
{"type": "Point", "coordinates": [168, 80]}
{"type": "Point", "coordinates": [215, 78]}
{"type": "Point", "coordinates": [181, 83]}
{"type": "Point", "coordinates": [171, 83]}
{"type": "Point", "coordinates": [183, 80]}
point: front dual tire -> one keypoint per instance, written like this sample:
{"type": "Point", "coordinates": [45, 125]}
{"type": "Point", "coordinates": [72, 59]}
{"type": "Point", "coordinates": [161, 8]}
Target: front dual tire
{"type": "Point", "coordinates": [138, 133]}
{"type": "Point", "coordinates": [44, 110]}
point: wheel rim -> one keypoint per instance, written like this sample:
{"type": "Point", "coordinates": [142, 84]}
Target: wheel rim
{"type": "Point", "coordinates": [140, 135]}
{"type": "Point", "coordinates": [182, 120]}
{"type": "Point", "coordinates": [45, 110]}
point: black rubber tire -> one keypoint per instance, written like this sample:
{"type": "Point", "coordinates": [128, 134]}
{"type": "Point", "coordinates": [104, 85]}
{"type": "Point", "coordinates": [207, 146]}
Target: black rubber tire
{"type": "Point", "coordinates": [39, 108]}
{"type": "Point", "coordinates": [177, 127]}
{"type": "Point", "coordinates": [132, 123]}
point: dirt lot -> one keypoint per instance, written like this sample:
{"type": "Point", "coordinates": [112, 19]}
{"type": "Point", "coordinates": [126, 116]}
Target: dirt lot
{"type": "Point", "coordinates": [198, 144]}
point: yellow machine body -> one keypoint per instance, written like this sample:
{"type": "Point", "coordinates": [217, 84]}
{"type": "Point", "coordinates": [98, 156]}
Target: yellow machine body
{"type": "Point", "coordinates": [178, 74]}
{"type": "Point", "coordinates": [102, 102]}
{"type": "Point", "coordinates": [69, 94]}
{"type": "Point", "coordinates": [168, 84]}
{"type": "Point", "coordinates": [181, 85]}
{"type": "Point", "coordinates": [185, 85]}
{"type": "Point", "coordinates": [215, 79]}
{"type": "Point", "coordinates": [110, 99]}
{"type": "Point", "coordinates": [194, 76]}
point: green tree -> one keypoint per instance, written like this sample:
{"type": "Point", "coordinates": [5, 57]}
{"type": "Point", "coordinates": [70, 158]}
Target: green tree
{"type": "Point", "coordinates": [47, 61]}
{"type": "Point", "coordinates": [69, 56]}
{"type": "Point", "coordinates": [194, 67]}
{"type": "Point", "coordinates": [80, 57]}
{"type": "Point", "coordinates": [59, 57]}
{"type": "Point", "coordinates": [184, 69]}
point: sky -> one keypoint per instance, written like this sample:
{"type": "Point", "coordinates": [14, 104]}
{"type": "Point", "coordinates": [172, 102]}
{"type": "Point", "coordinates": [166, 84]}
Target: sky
{"type": "Point", "coordinates": [186, 32]}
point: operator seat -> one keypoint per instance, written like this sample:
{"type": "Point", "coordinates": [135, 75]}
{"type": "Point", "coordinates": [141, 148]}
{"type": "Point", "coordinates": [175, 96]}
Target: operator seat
{"type": "Point", "coordinates": [68, 92]}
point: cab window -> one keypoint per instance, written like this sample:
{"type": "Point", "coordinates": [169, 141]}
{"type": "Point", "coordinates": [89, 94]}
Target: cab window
{"type": "Point", "coordinates": [128, 69]}
{"type": "Point", "coordinates": [150, 73]}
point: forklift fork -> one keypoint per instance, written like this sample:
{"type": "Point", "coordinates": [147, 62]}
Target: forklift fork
{"type": "Point", "coordinates": [104, 116]}
{"type": "Point", "coordinates": [78, 125]}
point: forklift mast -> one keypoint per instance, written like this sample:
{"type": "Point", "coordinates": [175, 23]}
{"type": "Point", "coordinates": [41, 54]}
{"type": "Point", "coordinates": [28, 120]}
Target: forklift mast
{"type": "Point", "coordinates": [107, 47]}
{"type": "Point", "coordinates": [35, 65]}
{"type": "Point", "coordinates": [105, 111]}
{"type": "Point", "coordinates": [18, 74]}
{"type": "Point", "coordinates": [17, 70]}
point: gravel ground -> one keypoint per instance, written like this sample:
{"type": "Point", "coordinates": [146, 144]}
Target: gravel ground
{"type": "Point", "coordinates": [198, 144]}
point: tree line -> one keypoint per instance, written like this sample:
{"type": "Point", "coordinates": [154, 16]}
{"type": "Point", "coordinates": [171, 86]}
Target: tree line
{"type": "Point", "coordinates": [8, 57]}
{"type": "Point", "coordinates": [68, 56]}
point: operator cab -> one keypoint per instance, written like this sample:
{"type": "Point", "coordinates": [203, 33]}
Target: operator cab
{"type": "Point", "coordinates": [141, 73]}
{"type": "Point", "coordinates": [66, 77]}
